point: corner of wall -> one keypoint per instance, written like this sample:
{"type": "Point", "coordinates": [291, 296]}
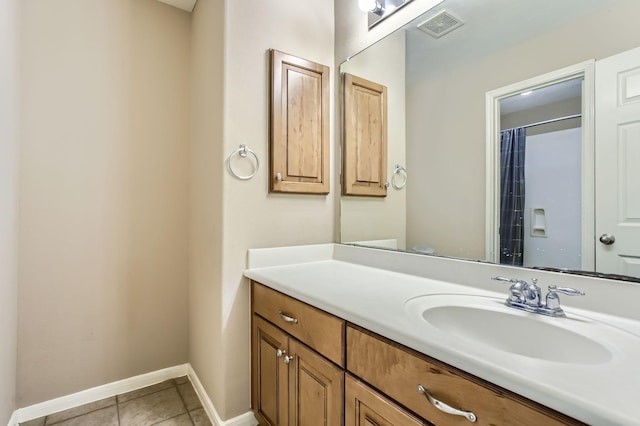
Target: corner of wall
{"type": "Point", "coordinates": [9, 168]}
{"type": "Point", "coordinates": [205, 196]}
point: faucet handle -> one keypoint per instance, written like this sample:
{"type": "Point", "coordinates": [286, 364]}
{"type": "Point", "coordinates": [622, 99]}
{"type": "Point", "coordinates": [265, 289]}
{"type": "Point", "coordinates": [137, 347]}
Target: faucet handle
{"type": "Point", "coordinates": [566, 290]}
{"type": "Point", "coordinates": [505, 279]}
{"type": "Point", "coordinates": [553, 300]}
{"type": "Point", "coordinates": [509, 280]}
{"type": "Point", "coordinates": [516, 290]}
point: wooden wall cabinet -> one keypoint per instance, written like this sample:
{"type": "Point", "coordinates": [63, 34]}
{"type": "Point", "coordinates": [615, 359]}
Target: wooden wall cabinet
{"type": "Point", "coordinates": [364, 168]}
{"type": "Point", "coordinates": [299, 125]}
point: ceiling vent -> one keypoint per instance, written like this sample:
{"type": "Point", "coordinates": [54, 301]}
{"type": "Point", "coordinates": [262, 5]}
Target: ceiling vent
{"type": "Point", "coordinates": [440, 24]}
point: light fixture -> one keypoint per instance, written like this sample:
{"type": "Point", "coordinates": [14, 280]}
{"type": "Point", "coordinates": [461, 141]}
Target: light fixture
{"type": "Point", "coordinates": [372, 6]}
{"type": "Point", "coordinates": [378, 10]}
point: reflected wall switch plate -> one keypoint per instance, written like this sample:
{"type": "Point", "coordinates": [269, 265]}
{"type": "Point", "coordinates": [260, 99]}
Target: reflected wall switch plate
{"type": "Point", "coordinates": [538, 223]}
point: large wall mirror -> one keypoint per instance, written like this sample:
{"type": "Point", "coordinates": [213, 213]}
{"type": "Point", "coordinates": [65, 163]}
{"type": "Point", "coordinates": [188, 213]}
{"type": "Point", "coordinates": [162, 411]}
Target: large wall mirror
{"type": "Point", "coordinates": [438, 81]}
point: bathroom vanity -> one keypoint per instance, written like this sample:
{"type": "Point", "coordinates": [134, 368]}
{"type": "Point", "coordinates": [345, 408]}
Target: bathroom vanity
{"type": "Point", "coordinates": [353, 335]}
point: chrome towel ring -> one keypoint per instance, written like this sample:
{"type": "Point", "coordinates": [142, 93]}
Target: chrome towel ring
{"type": "Point", "coordinates": [243, 152]}
{"type": "Point", "coordinates": [399, 171]}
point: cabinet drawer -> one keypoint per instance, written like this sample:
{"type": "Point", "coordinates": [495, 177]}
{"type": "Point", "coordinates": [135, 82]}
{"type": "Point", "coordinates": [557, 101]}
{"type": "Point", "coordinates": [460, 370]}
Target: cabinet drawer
{"type": "Point", "coordinates": [397, 372]}
{"type": "Point", "coordinates": [366, 407]}
{"type": "Point", "coordinates": [317, 329]}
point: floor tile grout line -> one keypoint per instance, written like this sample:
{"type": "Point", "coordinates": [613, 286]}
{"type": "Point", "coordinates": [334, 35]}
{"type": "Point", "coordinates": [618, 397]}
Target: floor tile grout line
{"type": "Point", "coordinates": [46, 420]}
{"type": "Point", "coordinates": [118, 409]}
{"type": "Point", "coordinates": [174, 417]}
{"type": "Point", "coordinates": [173, 385]}
{"type": "Point", "coordinates": [193, 422]}
{"type": "Point", "coordinates": [175, 382]}
{"type": "Point", "coordinates": [146, 394]}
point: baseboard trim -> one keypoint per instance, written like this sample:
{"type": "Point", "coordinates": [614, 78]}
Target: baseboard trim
{"type": "Point", "coordinates": [121, 386]}
{"type": "Point", "coordinates": [97, 393]}
{"type": "Point", "coordinates": [246, 419]}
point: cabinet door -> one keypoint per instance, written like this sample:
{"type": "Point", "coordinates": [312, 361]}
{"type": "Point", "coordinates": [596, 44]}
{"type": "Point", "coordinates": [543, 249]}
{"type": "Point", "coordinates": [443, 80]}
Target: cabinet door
{"type": "Point", "coordinates": [365, 138]}
{"type": "Point", "coordinates": [270, 393]}
{"type": "Point", "coordinates": [299, 125]}
{"type": "Point", "coordinates": [316, 388]}
{"type": "Point", "coordinates": [365, 407]}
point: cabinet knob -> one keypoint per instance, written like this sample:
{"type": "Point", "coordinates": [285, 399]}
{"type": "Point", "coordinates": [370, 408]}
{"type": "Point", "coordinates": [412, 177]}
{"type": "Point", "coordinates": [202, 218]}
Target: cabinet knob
{"type": "Point", "coordinates": [280, 353]}
{"type": "Point", "coordinates": [288, 359]}
{"type": "Point", "coordinates": [278, 176]}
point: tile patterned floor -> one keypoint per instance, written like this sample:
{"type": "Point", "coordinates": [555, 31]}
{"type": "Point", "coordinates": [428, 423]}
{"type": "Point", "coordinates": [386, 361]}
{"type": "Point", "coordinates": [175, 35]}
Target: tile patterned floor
{"type": "Point", "coordinates": [170, 403]}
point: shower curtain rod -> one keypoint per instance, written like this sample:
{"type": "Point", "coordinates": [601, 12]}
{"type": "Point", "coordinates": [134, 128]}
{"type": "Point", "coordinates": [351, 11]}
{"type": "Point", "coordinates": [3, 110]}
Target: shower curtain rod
{"type": "Point", "coordinates": [553, 120]}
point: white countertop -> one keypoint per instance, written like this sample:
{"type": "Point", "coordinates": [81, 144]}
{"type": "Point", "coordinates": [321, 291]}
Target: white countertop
{"type": "Point", "coordinates": [337, 279]}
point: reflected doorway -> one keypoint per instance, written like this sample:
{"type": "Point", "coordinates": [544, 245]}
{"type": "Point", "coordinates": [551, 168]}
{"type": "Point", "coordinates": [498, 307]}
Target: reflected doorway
{"type": "Point", "coordinates": [540, 171]}
{"type": "Point", "coordinates": [540, 182]}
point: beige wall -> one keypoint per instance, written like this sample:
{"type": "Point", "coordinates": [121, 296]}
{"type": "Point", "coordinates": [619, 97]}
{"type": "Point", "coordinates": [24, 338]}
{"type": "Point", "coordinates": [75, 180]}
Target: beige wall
{"type": "Point", "coordinates": [103, 189]}
{"type": "Point", "coordinates": [449, 108]}
{"type": "Point", "coordinates": [252, 217]}
{"type": "Point", "coordinates": [124, 194]}
{"type": "Point", "coordinates": [205, 201]}
{"type": "Point", "coordinates": [228, 216]}
{"type": "Point", "coordinates": [9, 145]}
{"type": "Point", "coordinates": [374, 218]}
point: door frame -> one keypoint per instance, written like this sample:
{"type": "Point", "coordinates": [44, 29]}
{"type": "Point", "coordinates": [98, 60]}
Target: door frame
{"type": "Point", "coordinates": [585, 70]}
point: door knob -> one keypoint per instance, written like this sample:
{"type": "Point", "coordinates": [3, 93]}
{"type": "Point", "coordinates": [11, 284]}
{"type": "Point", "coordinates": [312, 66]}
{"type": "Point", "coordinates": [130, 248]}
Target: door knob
{"type": "Point", "coordinates": [607, 239]}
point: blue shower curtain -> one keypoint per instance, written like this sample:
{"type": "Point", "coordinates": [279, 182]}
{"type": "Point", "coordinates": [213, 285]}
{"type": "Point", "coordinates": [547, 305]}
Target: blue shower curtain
{"type": "Point", "coordinates": [512, 151]}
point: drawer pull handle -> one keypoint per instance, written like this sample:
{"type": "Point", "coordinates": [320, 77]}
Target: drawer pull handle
{"type": "Point", "coordinates": [287, 318]}
{"type": "Point", "coordinates": [446, 408]}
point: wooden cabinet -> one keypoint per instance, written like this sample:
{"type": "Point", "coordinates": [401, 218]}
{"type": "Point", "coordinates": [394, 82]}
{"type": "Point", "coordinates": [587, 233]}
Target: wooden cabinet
{"type": "Point", "coordinates": [270, 375]}
{"type": "Point", "coordinates": [315, 388]}
{"type": "Point", "coordinates": [322, 332]}
{"type": "Point", "coordinates": [299, 125]}
{"type": "Point", "coordinates": [292, 384]}
{"type": "Point", "coordinates": [299, 357]}
{"type": "Point", "coordinates": [366, 407]}
{"type": "Point", "coordinates": [364, 170]}
{"type": "Point", "coordinates": [398, 371]}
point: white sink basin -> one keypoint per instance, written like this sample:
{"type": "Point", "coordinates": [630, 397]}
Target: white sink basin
{"type": "Point", "coordinates": [487, 323]}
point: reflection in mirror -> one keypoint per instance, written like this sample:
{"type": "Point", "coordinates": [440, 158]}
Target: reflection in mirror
{"type": "Point", "coordinates": [540, 173]}
{"type": "Point", "coordinates": [437, 122]}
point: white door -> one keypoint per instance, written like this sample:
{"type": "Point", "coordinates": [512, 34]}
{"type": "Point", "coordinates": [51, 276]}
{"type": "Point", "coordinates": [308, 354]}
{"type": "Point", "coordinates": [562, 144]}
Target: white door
{"type": "Point", "coordinates": [617, 161]}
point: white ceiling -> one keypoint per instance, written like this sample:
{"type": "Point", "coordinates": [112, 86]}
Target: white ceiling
{"type": "Point", "coordinates": [489, 25]}
{"type": "Point", "coordinates": [187, 5]}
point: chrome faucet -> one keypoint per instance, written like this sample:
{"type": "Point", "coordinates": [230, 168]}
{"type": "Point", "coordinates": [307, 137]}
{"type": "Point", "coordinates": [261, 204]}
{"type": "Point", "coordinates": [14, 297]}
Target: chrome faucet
{"type": "Point", "coordinates": [528, 297]}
